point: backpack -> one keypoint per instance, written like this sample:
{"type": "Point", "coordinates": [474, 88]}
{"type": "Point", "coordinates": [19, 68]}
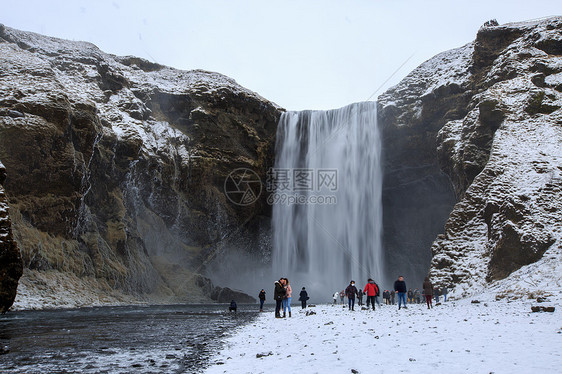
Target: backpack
{"type": "Point", "coordinates": [378, 290]}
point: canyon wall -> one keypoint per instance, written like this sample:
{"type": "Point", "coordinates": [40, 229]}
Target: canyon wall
{"type": "Point", "coordinates": [116, 171]}
{"type": "Point", "coordinates": [488, 116]}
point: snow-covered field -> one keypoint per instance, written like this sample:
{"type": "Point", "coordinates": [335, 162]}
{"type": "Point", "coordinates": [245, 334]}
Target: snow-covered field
{"type": "Point", "coordinates": [455, 337]}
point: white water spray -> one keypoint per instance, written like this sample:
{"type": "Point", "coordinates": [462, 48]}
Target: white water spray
{"type": "Point", "coordinates": [324, 246]}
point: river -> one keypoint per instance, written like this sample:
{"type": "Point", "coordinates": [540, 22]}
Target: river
{"type": "Point", "coordinates": [125, 339]}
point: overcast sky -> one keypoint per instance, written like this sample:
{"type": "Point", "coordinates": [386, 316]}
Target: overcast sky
{"type": "Point", "coordinates": [299, 54]}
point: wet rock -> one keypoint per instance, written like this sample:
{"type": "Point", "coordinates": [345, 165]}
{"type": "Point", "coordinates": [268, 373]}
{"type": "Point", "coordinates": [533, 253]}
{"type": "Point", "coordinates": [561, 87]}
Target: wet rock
{"type": "Point", "coordinates": [310, 313]}
{"type": "Point", "coordinates": [475, 302]}
{"type": "Point", "coordinates": [261, 355]}
{"type": "Point", "coordinates": [225, 295]}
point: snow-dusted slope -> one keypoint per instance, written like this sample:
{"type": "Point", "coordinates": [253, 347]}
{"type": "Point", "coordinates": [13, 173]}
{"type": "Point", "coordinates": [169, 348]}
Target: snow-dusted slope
{"type": "Point", "coordinates": [497, 130]}
{"type": "Point", "coordinates": [116, 167]}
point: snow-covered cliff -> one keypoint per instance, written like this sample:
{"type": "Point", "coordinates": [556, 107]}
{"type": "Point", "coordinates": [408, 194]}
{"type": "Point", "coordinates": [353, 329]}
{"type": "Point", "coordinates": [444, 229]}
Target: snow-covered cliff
{"type": "Point", "coordinates": [116, 169]}
{"type": "Point", "coordinates": [491, 114]}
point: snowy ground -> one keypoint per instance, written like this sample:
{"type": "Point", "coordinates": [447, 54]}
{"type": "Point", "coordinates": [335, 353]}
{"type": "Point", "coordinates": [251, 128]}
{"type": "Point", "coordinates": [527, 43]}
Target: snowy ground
{"type": "Point", "coordinates": [456, 337]}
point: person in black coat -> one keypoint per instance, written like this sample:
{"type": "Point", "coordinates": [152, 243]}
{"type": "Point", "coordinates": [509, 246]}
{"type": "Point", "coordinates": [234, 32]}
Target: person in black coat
{"type": "Point", "coordinates": [233, 306]}
{"type": "Point", "coordinates": [261, 296]}
{"type": "Point", "coordinates": [386, 297]}
{"type": "Point", "coordinates": [303, 296]}
{"type": "Point", "coordinates": [350, 292]}
{"type": "Point", "coordinates": [278, 295]}
{"type": "Point", "coordinates": [400, 287]}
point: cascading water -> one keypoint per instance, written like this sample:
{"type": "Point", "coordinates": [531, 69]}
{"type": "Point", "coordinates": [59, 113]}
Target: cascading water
{"type": "Point", "coordinates": [320, 242]}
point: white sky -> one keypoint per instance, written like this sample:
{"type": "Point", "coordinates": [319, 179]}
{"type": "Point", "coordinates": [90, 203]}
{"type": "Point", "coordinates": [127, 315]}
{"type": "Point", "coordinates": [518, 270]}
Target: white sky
{"type": "Point", "coordinates": [299, 54]}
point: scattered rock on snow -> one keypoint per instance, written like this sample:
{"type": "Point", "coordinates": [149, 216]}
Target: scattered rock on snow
{"type": "Point", "coordinates": [260, 355]}
{"type": "Point", "coordinates": [536, 309]}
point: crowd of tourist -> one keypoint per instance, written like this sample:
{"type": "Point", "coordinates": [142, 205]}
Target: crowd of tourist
{"type": "Point", "coordinates": [283, 293]}
{"type": "Point", "coordinates": [404, 295]}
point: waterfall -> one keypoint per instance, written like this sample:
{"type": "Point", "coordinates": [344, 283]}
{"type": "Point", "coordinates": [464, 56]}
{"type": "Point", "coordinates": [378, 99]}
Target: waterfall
{"type": "Point", "coordinates": [326, 234]}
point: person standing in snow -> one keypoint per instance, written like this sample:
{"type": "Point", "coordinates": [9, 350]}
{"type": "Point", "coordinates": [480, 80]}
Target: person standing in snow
{"type": "Point", "coordinates": [428, 292]}
{"type": "Point", "coordinates": [436, 294]}
{"type": "Point", "coordinates": [303, 296]}
{"type": "Point", "coordinates": [233, 306]}
{"type": "Point", "coordinates": [287, 298]}
{"type": "Point", "coordinates": [342, 295]}
{"type": "Point", "coordinates": [360, 297]}
{"type": "Point", "coordinates": [350, 292]}
{"type": "Point", "coordinates": [378, 293]}
{"type": "Point", "coordinates": [336, 294]}
{"type": "Point", "coordinates": [410, 296]}
{"type": "Point", "coordinates": [417, 298]}
{"type": "Point", "coordinates": [261, 296]}
{"type": "Point", "coordinates": [278, 295]}
{"type": "Point", "coordinates": [444, 292]}
{"type": "Point", "coordinates": [392, 294]}
{"type": "Point", "coordinates": [386, 297]}
{"type": "Point", "coordinates": [371, 291]}
{"type": "Point", "coordinates": [400, 288]}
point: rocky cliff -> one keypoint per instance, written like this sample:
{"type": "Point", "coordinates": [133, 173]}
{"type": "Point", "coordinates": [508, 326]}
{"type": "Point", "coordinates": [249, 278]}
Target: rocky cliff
{"type": "Point", "coordinates": [10, 259]}
{"type": "Point", "coordinates": [117, 168]}
{"type": "Point", "coordinates": [488, 115]}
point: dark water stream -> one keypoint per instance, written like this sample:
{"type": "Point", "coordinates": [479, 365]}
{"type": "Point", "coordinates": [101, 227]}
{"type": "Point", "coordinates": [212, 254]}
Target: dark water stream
{"type": "Point", "coordinates": [131, 339]}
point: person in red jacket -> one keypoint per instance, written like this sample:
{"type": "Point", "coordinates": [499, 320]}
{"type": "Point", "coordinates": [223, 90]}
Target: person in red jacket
{"type": "Point", "coordinates": [371, 291]}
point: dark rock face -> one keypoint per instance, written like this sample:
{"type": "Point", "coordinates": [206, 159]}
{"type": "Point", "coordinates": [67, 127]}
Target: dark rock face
{"type": "Point", "coordinates": [117, 165]}
{"type": "Point", "coordinates": [496, 135]}
{"type": "Point", "coordinates": [417, 195]}
{"type": "Point", "coordinates": [10, 260]}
